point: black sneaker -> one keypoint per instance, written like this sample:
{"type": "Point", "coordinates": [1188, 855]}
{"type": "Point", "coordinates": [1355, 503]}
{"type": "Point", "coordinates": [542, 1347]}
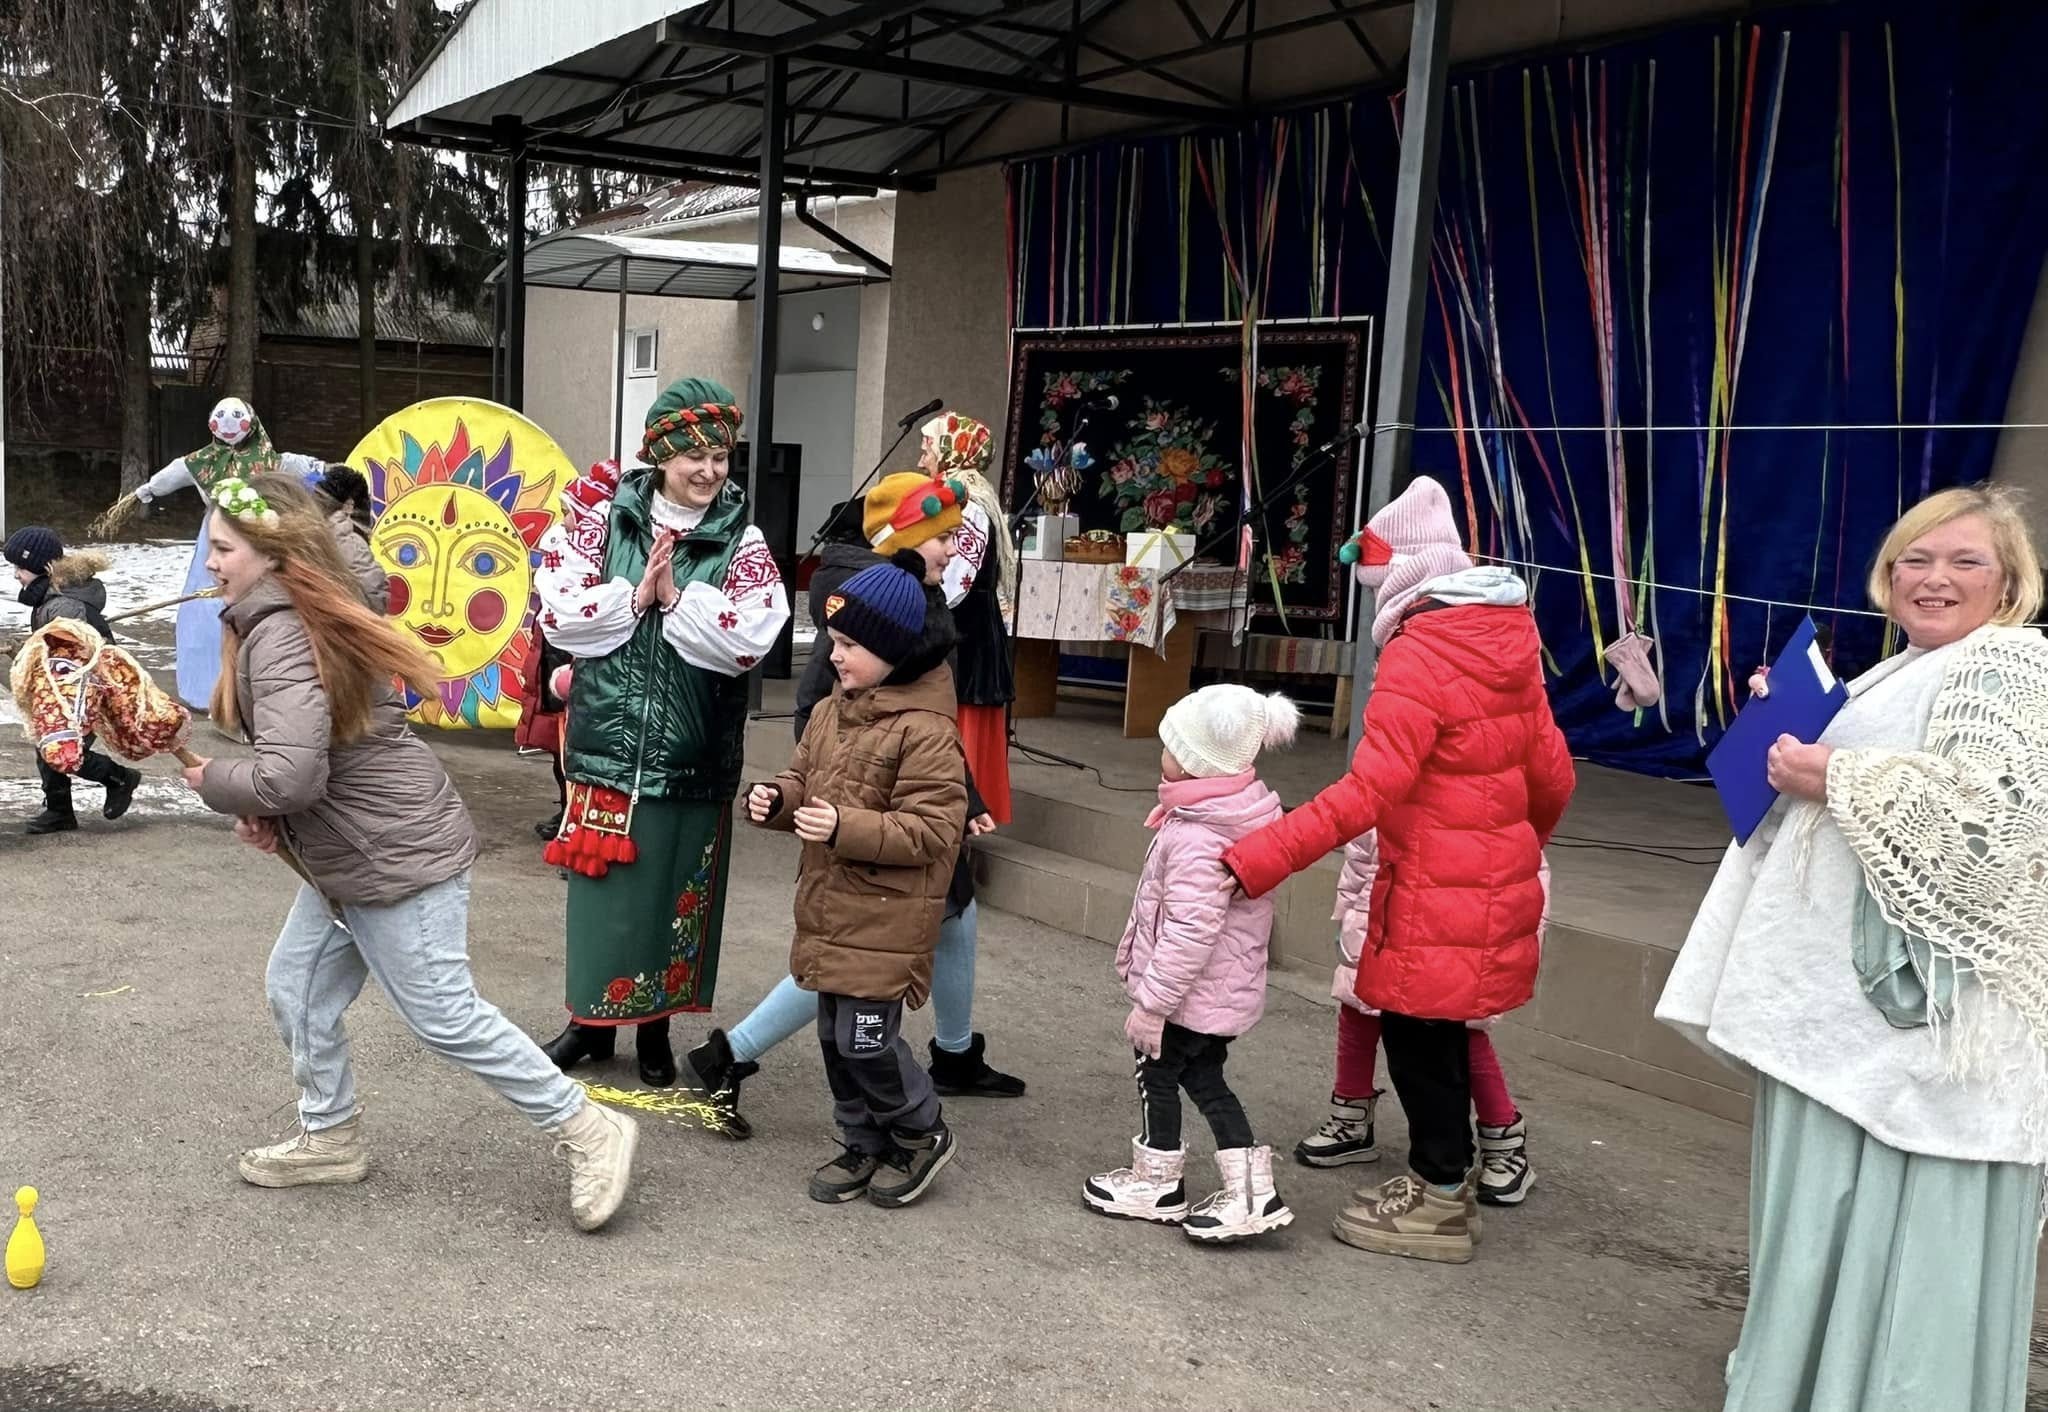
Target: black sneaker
{"type": "Point", "coordinates": [911, 1165]}
{"type": "Point", "coordinates": [719, 1076]}
{"type": "Point", "coordinates": [968, 1075]}
{"type": "Point", "coordinates": [845, 1177]}
{"type": "Point", "coordinates": [52, 821]}
{"type": "Point", "coordinates": [120, 794]}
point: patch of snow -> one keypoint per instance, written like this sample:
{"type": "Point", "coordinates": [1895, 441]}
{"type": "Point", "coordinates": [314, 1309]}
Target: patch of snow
{"type": "Point", "coordinates": [154, 798]}
{"type": "Point", "coordinates": [136, 574]}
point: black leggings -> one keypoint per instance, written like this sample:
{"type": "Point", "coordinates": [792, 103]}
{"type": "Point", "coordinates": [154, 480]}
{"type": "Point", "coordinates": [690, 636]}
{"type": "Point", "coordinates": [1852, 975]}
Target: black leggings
{"type": "Point", "coordinates": [1193, 1062]}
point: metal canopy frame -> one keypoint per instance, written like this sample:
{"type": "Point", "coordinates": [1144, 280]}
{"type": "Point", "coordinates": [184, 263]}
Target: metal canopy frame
{"type": "Point", "coordinates": [812, 77]}
{"type": "Point", "coordinates": [873, 93]}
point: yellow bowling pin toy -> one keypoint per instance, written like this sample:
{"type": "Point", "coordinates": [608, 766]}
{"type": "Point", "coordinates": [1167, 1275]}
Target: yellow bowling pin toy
{"type": "Point", "coordinates": [25, 1246]}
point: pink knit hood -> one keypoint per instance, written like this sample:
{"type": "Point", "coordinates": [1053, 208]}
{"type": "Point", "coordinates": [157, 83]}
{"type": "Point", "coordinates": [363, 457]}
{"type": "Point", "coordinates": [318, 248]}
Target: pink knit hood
{"type": "Point", "coordinates": [1406, 545]}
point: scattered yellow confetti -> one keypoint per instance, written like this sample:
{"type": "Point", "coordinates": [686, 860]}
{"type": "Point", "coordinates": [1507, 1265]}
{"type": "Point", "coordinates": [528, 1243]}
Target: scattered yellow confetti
{"type": "Point", "coordinates": [680, 1106]}
{"type": "Point", "coordinates": [103, 994]}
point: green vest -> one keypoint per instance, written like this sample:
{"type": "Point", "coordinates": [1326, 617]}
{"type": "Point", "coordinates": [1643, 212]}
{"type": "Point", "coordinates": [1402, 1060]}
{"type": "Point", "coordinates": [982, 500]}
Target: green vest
{"type": "Point", "coordinates": [641, 717]}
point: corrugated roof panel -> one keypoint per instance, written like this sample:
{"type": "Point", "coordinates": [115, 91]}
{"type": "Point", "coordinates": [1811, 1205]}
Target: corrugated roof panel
{"type": "Point", "coordinates": [701, 269]}
{"type": "Point", "coordinates": [538, 59]}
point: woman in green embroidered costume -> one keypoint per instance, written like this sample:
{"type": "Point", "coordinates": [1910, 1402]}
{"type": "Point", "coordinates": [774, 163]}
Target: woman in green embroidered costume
{"type": "Point", "coordinates": [1877, 956]}
{"type": "Point", "coordinates": [666, 597]}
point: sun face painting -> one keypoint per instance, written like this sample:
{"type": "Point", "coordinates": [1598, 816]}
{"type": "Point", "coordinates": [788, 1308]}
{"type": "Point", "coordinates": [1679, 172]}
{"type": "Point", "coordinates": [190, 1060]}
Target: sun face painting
{"type": "Point", "coordinates": [456, 529]}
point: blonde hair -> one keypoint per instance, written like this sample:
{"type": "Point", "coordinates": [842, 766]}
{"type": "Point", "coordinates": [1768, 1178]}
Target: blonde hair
{"type": "Point", "coordinates": [356, 651]}
{"type": "Point", "coordinates": [2020, 600]}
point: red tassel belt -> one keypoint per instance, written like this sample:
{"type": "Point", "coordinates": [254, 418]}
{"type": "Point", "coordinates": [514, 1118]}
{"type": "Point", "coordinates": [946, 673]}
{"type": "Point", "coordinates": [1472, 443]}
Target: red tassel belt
{"type": "Point", "coordinates": [596, 831]}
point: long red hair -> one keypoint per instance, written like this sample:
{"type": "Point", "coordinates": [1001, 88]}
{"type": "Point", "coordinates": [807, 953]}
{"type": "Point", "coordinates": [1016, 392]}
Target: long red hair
{"type": "Point", "coordinates": [356, 651]}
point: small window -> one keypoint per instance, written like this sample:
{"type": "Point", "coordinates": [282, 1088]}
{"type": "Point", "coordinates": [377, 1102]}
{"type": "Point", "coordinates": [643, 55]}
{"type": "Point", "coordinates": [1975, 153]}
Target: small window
{"type": "Point", "coordinates": [643, 352]}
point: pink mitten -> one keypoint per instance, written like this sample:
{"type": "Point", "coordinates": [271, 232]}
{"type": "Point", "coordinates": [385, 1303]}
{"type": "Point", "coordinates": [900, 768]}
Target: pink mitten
{"type": "Point", "coordinates": [1144, 1030]}
{"type": "Point", "coordinates": [1629, 655]}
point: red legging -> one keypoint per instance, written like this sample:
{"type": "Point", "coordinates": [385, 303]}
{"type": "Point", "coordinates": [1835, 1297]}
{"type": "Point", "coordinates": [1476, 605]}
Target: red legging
{"type": "Point", "coordinates": [1358, 1042]}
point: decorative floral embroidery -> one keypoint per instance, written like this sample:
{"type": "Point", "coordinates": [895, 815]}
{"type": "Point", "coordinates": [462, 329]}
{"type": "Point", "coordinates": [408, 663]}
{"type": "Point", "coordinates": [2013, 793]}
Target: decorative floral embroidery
{"type": "Point", "coordinates": [1166, 476]}
{"type": "Point", "coordinates": [1127, 606]}
{"type": "Point", "coordinates": [728, 621]}
{"type": "Point", "coordinates": [675, 986]}
{"type": "Point", "coordinates": [753, 567]}
{"type": "Point", "coordinates": [1300, 387]}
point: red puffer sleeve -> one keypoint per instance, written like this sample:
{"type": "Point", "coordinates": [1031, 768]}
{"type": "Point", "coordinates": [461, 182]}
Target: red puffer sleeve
{"type": "Point", "coordinates": [1552, 776]}
{"type": "Point", "coordinates": [1402, 720]}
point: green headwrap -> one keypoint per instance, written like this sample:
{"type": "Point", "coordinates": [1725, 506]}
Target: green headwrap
{"type": "Point", "coordinates": [690, 414]}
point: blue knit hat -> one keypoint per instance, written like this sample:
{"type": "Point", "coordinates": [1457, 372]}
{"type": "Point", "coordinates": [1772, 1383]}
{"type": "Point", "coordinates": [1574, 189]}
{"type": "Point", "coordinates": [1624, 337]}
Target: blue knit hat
{"type": "Point", "coordinates": [882, 609]}
{"type": "Point", "coordinates": [32, 547]}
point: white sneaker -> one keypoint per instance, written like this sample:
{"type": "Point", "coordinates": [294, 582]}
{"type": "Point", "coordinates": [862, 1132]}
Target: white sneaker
{"type": "Point", "coordinates": [1344, 1137]}
{"type": "Point", "coordinates": [1246, 1206]}
{"type": "Point", "coordinates": [598, 1145]}
{"type": "Point", "coordinates": [333, 1156]}
{"type": "Point", "coordinates": [1150, 1189]}
{"type": "Point", "coordinates": [1505, 1175]}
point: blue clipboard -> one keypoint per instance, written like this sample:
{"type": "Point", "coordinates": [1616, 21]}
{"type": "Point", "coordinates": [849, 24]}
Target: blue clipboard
{"type": "Point", "coordinates": [1804, 697]}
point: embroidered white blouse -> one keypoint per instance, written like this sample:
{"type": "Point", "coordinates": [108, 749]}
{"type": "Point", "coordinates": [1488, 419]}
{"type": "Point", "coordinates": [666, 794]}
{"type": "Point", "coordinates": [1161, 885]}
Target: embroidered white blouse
{"type": "Point", "coordinates": [725, 629]}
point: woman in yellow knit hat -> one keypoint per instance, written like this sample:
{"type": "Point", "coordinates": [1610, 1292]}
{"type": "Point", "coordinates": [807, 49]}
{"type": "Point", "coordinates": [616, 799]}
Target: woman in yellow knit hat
{"type": "Point", "coordinates": [914, 511]}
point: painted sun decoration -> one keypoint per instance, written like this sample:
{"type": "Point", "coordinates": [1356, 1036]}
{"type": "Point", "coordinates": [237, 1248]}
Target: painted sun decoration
{"type": "Point", "coordinates": [462, 491]}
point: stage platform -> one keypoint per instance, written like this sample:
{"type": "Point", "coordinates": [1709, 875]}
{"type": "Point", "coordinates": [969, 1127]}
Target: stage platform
{"type": "Point", "coordinates": [1629, 867]}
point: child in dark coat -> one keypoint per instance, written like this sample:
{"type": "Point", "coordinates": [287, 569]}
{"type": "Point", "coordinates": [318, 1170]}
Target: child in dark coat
{"type": "Point", "coordinates": [53, 586]}
{"type": "Point", "coordinates": [877, 792]}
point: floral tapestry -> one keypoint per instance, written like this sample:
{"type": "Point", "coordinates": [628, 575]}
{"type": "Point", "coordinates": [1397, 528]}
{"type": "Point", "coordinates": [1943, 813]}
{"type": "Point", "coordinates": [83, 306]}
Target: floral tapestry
{"type": "Point", "coordinates": [1170, 455]}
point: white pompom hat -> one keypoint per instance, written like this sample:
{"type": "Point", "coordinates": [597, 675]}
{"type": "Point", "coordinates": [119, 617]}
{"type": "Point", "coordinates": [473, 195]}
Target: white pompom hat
{"type": "Point", "coordinates": [1220, 730]}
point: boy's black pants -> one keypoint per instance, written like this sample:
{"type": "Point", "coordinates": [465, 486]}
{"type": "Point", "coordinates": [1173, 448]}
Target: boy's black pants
{"type": "Point", "coordinates": [1193, 1062]}
{"type": "Point", "coordinates": [1429, 1063]}
{"type": "Point", "coordinates": [877, 1084]}
{"type": "Point", "coordinates": [97, 768]}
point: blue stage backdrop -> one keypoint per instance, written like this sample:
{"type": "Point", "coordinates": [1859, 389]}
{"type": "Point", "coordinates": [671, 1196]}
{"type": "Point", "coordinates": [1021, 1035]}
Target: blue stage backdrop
{"type": "Point", "coordinates": [1694, 301]}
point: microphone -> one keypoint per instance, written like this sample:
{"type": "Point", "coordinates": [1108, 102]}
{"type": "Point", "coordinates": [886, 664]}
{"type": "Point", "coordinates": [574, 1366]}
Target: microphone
{"type": "Point", "coordinates": [1107, 402]}
{"type": "Point", "coordinates": [925, 411]}
{"type": "Point", "coordinates": [1343, 435]}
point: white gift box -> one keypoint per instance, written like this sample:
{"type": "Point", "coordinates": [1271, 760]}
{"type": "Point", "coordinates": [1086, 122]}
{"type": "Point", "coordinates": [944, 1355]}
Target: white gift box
{"type": "Point", "coordinates": [1049, 536]}
{"type": "Point", "coordinates": [1158, 549]}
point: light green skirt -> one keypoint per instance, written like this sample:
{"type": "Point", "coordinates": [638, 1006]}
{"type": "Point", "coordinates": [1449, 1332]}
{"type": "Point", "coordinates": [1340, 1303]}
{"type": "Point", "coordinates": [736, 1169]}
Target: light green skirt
{"type": "Point", "coordinates": [1880, 1280]}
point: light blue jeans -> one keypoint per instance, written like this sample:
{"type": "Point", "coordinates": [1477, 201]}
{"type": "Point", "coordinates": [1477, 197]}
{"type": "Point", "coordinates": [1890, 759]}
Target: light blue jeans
{"type": "Point", "coordinates": [789, 1009]}
{"type": "Point", "coordinates": [418, 949]}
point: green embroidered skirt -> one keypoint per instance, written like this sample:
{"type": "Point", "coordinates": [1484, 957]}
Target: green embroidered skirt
{"type": "Point", "coordinates": [1880, 1280]}
{"type": "Point", "coordinates": [643, 939]}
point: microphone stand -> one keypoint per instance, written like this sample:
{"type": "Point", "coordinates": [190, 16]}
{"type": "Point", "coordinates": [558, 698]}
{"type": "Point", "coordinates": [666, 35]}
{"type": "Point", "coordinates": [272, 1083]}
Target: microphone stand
{"type": "Point", "coordinates": [1309, 463]}
{"type": "Point", "coordinates": [832, 523]}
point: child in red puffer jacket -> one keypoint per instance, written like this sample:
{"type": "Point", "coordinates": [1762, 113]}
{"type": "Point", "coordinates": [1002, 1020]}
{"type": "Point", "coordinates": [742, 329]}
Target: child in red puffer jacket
{"type": "Point", "coordinates": [1464, 774]}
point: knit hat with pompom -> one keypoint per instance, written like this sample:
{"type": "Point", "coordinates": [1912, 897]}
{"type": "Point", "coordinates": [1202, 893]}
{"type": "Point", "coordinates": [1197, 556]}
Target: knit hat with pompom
{"type": "Point", "coordinates": [910, 508]}
{"type": "Point", "coordinates": [1220, 730]}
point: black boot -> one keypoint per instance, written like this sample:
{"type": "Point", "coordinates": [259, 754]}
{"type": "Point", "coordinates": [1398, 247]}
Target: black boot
{"type": "Point", "coordinates": [719, 1075]}
{"type": "Point", "coordinates": [120, 794]}
{"type": "Point", "coordinates": [52, 821]}
{"type": "Point", "coordinates": [969, 1076]}
{"type": "Point", "coordinates": [657, 1059]}
{"type": "Point", "coordinates": [547, 828]}
{"type": "Point", "coordinates": [577, 1043]}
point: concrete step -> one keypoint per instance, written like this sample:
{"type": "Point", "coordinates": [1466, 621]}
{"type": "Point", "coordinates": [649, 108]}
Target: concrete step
{"type": "Point", "coordinates": [1592, 1011]}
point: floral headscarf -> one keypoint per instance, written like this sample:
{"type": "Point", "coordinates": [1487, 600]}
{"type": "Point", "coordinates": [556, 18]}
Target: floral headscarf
{"type": "Point", "coordinates": [960, 447]}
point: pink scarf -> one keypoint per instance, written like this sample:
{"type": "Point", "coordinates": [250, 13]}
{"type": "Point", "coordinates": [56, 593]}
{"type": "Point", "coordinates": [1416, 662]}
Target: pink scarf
{"type": "Point", "coordinates": [1179, 794]}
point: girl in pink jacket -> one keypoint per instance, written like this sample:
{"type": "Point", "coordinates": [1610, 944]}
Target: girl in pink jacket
{"type": "Point", "coordinates": [1193, 961]}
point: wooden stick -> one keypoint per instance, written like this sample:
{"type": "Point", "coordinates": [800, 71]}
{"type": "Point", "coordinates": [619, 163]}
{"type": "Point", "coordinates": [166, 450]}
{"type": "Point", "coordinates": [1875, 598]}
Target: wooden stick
{"type": "Point", "coordinates": [8, 649]}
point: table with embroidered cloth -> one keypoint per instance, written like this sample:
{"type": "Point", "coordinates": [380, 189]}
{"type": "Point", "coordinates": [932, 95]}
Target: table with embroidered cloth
{"type": "Point", "coordinates": [1120, 604]}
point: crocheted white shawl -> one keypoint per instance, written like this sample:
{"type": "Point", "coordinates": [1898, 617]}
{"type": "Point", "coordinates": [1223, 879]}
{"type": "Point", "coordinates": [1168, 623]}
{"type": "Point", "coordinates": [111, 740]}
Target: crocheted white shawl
{"type": "Point", "coordinates": [1953, 842]}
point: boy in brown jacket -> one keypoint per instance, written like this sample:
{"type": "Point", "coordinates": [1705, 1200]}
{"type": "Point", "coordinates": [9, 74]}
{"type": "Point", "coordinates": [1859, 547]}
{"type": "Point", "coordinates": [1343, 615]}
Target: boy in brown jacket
{"type": "Point", "coordinates": [877, 792]}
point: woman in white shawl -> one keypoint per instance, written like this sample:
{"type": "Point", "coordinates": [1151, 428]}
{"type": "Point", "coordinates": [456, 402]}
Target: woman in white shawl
{"type": "Point", "coordinates": [1877, 955]}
